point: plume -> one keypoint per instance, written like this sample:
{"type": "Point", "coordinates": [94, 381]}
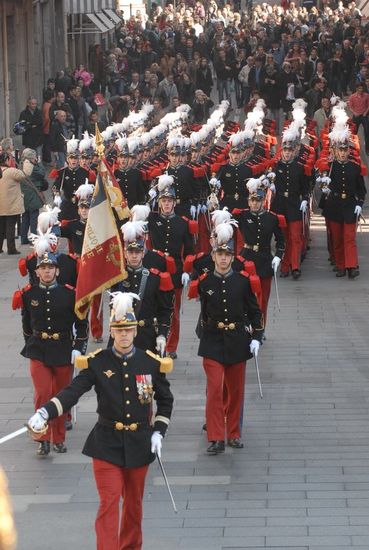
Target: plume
{"type": "Point", "coordinates": [140, 212]}
{"type": "Point", "coordinates": [121, 303]}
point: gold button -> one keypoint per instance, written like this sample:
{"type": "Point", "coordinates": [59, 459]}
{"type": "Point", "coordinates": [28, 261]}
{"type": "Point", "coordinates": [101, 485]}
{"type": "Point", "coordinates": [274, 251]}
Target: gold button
{"type": "Point", "coordinates": [126, 388]}
{"type": "Point", "coordinates": [223, 290]}
{"type": "Point", "coordinates": [128, 402]}
{"type": "Point", "coordinates": [223, 281]}
{"type": "Point", "coordinates": [126, 375]}
{"type": "Point", "coordinates": [224, 300]}
{"type": "Point", "coordinates": [226, 311]}
{"type": "Point", "coordinates": [48, 328]}
{"type": "Point", "coordinates": [226, 320]}
{"type": "Point", "coordinates": [128, 415]}
{"type": "Point", "coordinates": [48, 309]}
{"type": "Point", "coordinates": [124, 363]}
{"type": "Point", "coordinates": [47, 301]}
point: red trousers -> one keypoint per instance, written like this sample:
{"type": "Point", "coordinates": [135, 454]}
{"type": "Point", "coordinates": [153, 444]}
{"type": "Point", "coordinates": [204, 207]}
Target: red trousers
{"type": "Point", "coordinates": [113, 484]}
{"type": "Point", "coordinates": [223, 409]}
{"type": "Point", "coordinates": [47, 382]}
{"type": "Point", "coordinates": [343, 237]}
{"type": "Point", "coordinates": [329, 241]}
{"type": "Point", "coordinates": [97, 320]}
{"type": "Point", "coordinates": [173, 335]}
{"type": "Point", "coordinates": [266, 283]}
{"type": "Point", "coordinates": [203, 237]}
{"type": "Point", "coordinates": [292, 256]}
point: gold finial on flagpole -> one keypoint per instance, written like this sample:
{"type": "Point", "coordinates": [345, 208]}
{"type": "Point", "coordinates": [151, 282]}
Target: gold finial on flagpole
{"type": "Point", "coordinates": [100, 148]}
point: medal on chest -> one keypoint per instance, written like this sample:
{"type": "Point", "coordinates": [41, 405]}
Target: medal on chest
{"type": "Point", "coordinates": [144, 388]}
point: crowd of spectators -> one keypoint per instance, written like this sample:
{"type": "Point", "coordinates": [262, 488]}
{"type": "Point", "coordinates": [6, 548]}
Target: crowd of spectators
{"type": "Point", "coordinates": [198, 53]}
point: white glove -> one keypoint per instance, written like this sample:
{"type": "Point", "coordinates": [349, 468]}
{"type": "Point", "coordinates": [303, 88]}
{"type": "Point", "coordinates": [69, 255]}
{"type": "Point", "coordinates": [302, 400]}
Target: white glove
{"type": "Point", "coordinates": [161, 342]}
{"type": "Point", "coordinates": [75, 354]}
{"type": "Point", "coordinates": [152, 193]}
{"type": "Point", "coordinates": [326, 190]}
{"type": "Point", "coordinates": [358, 210]}
{"type": "Point", "coordinates": [272, 188]}
{"type": "Point", "coordinates": [303, 206]}
{"type": "Point", "coordinates": [275, 263]}
{"type": "Point", "coordinates": [185, 278]}
{"type": "Point", "coordinates": [156, 443]}
{"type": "Point", "coordinates": [254, 347]}
{"type": "Point", "coordinates": [38, 420]}
{"type": "Point", "coordinates": [193, 211]}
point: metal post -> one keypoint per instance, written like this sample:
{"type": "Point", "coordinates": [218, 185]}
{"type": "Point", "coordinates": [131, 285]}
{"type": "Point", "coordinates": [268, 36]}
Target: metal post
{"type": "Point", "coordinates": [6, 71]}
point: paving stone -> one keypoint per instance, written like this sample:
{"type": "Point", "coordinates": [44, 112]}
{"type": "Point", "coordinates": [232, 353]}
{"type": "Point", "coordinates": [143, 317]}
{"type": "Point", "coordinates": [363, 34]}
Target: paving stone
{"type": "Point", "coordinates": [300, 483]}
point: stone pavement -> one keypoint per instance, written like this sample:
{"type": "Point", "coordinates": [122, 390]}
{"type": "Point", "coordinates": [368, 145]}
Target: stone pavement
{"type": "Point", "coordinates": [300, 483]}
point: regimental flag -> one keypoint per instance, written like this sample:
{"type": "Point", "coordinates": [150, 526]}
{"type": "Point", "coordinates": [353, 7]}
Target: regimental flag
{"type": "Point", "coordinates": [102, 260]}
{"type": "Point", "coordinates": [117, 200]}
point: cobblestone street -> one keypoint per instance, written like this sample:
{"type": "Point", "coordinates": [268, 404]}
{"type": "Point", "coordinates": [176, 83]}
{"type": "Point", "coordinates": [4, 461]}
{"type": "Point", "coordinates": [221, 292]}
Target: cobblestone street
{"type": "Point", "coordinates": [300, 483]}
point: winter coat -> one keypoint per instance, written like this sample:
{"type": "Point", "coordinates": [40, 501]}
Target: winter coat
{"type": "Point", "coordinates": [32, 200]}
{"type": "Point", "coordinates": [11, 198]}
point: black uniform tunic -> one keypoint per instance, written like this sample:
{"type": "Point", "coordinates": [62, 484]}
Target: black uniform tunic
{"type": "Point", "coordinates": [292, 187]}
{"type": "Point", "coordinates": [132, 185]}
{"type": "Point", "coordinates": [228, 299]}
{"type": "Point", "coordinates": [74, 231]}
{"type": "Point", "coordinates": [50, 311]}
{"type": "Point", "coordinates": [233, 179]}
{"type": "Point", "coordinates": [155, 307]}
{"type": "Point", "coordinates": [118, 386]}
{"type": "Point", "coordinates": [347, 191]}
{"type": "Point", "coordinates": [184, 186]}
{"type": "Point", "coordinates": [170, 234]}
{"type": "Point", "coordinates": [257, 231]}
{"type": "Point", "coordinates": [67, 183]}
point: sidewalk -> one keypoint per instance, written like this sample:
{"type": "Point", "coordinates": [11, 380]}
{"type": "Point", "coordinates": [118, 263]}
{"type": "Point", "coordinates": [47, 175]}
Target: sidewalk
{"type": "Point", "coordinates": [300, 483]}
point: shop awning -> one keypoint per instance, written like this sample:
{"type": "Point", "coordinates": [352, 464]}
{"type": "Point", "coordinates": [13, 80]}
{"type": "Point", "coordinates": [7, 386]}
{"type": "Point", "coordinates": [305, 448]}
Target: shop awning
{"type": "Point", "coordinates": [113, 16]}
{"type": "Point", "coordinates": [97, 22]}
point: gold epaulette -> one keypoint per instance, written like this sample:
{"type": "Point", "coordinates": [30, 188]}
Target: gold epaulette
{"type": "Point", "coordinates": [81, 361]}
{"type": "Point", "coordinates": [166, 363]}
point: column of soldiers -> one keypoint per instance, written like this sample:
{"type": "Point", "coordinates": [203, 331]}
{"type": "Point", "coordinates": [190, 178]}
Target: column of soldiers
{"type": "Point", "coordinates": [214, 214]}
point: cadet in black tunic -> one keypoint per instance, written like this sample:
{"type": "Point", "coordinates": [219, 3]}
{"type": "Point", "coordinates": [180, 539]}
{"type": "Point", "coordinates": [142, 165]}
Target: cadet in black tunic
{"type": "Point", "coordinates": [232, 329]}
{"type": "Point", "coordinates": [125, 440]}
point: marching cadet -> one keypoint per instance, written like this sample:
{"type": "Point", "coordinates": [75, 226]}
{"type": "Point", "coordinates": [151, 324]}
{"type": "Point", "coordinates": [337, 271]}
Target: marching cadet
{"type": "Point", "coordinates": [171, 235]}
{"type": "Point", "coordinates": [154, 309]}
{"type": "Point", "coordinates": [123, 442]}
{"type": "Point", "coordinates": [184, 185]}
{"type": "Point", "coordinates": [128, 177]}
{"type": "Point", "coordinates": [68, 180]}
{"type": "Point", "coordinates": [342, 202]}
{"type": "Point", "coordinates": [234, 174]}
{"type": "Point", "coordinates": [232, 329]}
{"type": "Point", "coordinates": [48, 230]}
{"type": "Point", "coordinates": [258, 227]}
{"type": "Point", "coordinates": [54, 337]}
{"type": "Point", "coordinates": [74, 230]}
{"type": "Point", "coordinates": [291, 200]}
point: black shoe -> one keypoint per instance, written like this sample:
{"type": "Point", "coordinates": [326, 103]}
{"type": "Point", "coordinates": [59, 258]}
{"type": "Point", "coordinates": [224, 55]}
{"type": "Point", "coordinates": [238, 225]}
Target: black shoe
{"type": "Point", "coordinates": [172, 355]}
{"type": "Point", "coordinates": [235, 443]}
{"type": "Point", "coordinates": [284, 274]}
{"type": "Point", "coordinates": [12, 252]}
{"type": "Point", "coordinates": [296, 274]}
{"type": "Point", "coordinates": [59, 448]}
{"type": "Point", "coordinates": [43, 448]}
{"type": "Point", "coordinates": [204, 427]}
{"type": "Point", "coordinates": [335, 269]}
{"type": "Point", "coordinates": [341, 273]}
{"type": "Point", "coordinates": [353, 273]}
{"type": "Point", "coordinates": [68, 425]}
{"type": "Point", "coordinates": [25, 241]}
{"type": "Point", "coordinates": [216, 447]}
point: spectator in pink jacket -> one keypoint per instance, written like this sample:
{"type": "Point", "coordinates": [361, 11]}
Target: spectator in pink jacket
{"type": "Point", "coordinates": [84, 74]}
